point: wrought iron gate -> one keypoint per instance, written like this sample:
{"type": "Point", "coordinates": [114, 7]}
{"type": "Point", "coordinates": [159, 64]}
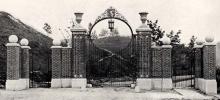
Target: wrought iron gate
{"type": "Point", "coordinates": [107, 68]}
{"type": "Point", "coordinates": [183, 67]}
{"type": "Point", "coordinates": [40, 69]}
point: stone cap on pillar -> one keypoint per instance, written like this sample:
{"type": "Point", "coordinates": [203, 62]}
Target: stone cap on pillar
{"type": "Point", "coordinates": [166, 46]}
{"type": "Point", "coordinates": [78, 29]}
{"type": "Point", "coordinates": [198, 46]}
{"type": "Point", "coordinates": [12, 44]}
{"type": "Point", "coordinates": [13, 39]}
{"type": "Point", "coordinates": [66, 47]}
{"type": "Point", "coordinates": [144, 27]}
{"type": "Point", "coordinates": [25, 47]}
{"type": "Point", "coordinates": [156, 47]}
{"type": "Point", "coordinates": [55, 47]}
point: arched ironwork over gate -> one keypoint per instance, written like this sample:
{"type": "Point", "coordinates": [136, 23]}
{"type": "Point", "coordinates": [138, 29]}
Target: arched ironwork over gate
{"type": "Point", "coordinates": [106, 68]}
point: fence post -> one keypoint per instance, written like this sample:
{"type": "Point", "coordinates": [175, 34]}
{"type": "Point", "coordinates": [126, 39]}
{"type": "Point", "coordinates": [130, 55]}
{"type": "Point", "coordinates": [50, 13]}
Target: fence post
{"type": "Point", "coordinates": [78, 54]}
{"type": "Point", "coordinates": [144, 51]}
{"type": "Point", "coordinates": [25, 59]}
{"type": "Point", "coordinates": [198, 64]}
{"type": "Point", "coordinates": [209, 67]}
{"type": "Point", "coordinates": [56, 64]}
{"type": "Point", "coordinates": [13, 64]}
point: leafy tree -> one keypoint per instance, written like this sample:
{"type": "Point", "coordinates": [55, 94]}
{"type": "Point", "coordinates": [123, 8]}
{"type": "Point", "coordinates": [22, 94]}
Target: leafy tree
{"type": "Point", "coordinates": [157, 32]}
{"type": "Point", "coordinates": [175, 38]}
{"type": "Point", "coordinates": [106, 33]}
{"type": "Point", "coordinates": [192, 41]}
{"type": "Point", "coordinates": [103, 33]}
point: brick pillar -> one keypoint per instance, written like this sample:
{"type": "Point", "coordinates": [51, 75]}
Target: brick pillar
{"type": "Point", "coordinates": [78, 50]}
{"type": "Point", "coordinates": [144, 52]}
{"type": "Point", "coordinates": [156, 67]}
{"type": "Point", "coordinates": [25, 59]}
{"type": "Point", "coordinates": [13, 64]}
{"type": "Point", "coordinates": [166, 66]}
{"type": "Point", "coordinates": [209, 67]}
{"type": "Point", "coordinates": [66, 67]}
{"type": "Point", "coordinates": [56, 64]}
{"type": "Point", "coordinates": [156, 62]}
{"type": "Point", "coordinates": [198, 66]}
{"type": "Point", "coordinates": [78, 54]}
{"type": "Point", "coordinates": [144, 49]}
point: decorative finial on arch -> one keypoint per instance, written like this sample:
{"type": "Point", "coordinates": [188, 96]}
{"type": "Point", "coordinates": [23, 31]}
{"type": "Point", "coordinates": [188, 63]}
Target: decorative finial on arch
{"type": "Point", "coordinates": [111, 12]}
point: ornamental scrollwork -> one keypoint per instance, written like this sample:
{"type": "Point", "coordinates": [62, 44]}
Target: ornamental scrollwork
{"type": "Point", "coordinates": [111, 13]}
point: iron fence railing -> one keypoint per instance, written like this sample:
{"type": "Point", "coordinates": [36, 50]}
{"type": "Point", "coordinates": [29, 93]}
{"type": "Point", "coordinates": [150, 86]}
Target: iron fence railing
{"type": "Point", "coordinates": [183, 67]}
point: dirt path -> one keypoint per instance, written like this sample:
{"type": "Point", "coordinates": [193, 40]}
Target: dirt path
{"type": "Point", "coordinates": [98, 94]}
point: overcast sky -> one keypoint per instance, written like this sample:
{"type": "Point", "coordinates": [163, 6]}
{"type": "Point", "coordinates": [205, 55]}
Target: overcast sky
{"type": "Point", "coordinates": [193, 17]}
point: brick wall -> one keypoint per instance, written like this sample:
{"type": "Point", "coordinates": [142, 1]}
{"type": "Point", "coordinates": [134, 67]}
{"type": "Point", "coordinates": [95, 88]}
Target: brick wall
{"type": "Point", "coordinates": [166, 62]}
{"type": "Point", "coordinates": [56, 63]}
{"type": "Point", "coordinates": [156, 62]}
{"type": "Point", "coordinates": [66, 63]}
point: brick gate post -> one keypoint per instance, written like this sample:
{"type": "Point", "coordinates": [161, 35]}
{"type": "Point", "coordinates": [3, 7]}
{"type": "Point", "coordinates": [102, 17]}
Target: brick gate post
{"type": "Point", "coordinates": [25, 59]}
{"type": "Point", "coordinates": [166, 64]}
{"type": "Point", "coordinates": [161, 65]}
{"type": "Point", "coordinates": [13, 64]}
{"type": "Point", "coordinates": [209, 67]}
{"type": "Point", "coordinates": [144, 51]}
{"type": "Point", "coordinates": [78, 54]}
{"type": "Point", "coordinates": [198, 64]}
{"type": "Point", "coordinates": [56, 64]}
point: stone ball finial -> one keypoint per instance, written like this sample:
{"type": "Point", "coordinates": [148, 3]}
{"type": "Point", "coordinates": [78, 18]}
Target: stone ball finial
{"type": "Point", "coordinates": [209, 39]}
{"type": "Point", "coordinates": [13, 39]}
{"type": "Point", "coordinates": [24, 42]}
{"type": "Point", "coordinates": [199, 42]}
{"type": "Point", "coordinates": [56, 42]}
{"type": "Point", "coordinates": [166, 40]}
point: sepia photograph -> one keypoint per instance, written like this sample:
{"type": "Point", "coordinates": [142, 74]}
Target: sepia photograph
{"type": "Point", "coordinates": [109, 49]}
